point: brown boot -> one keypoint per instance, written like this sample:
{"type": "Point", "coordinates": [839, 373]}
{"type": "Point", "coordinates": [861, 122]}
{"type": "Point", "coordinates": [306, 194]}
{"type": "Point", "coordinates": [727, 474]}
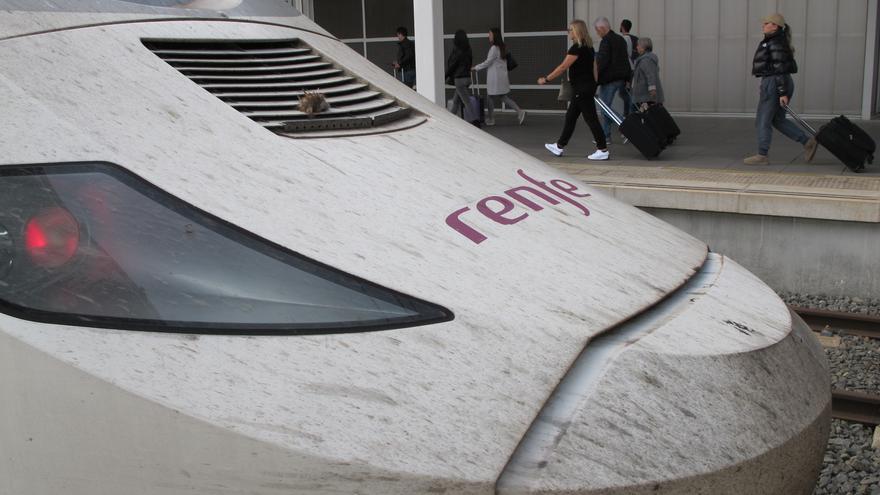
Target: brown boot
{"type": "Point", "coordinates": [757, 160]}
{"type": "Point", "coordinates": [810, 149]}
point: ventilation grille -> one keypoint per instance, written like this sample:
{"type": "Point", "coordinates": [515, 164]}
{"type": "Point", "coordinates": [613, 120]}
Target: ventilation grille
{"type": "Point", "coordinates": [265, 79]}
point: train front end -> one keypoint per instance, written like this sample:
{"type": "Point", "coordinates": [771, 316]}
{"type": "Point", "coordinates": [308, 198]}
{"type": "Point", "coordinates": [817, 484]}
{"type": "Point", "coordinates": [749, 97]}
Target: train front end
{"type": "Point", "coordinates": [205, 290]}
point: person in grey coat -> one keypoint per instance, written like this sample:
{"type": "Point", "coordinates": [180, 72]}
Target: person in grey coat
{"type": "Point", "coordinates": [497, 80]}
{"type": "Point", "coordinates": [646, 87]}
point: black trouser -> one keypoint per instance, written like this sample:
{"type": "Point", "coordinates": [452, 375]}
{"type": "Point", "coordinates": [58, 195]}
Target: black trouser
{"type": "Point", "coordinates": [582, 103]}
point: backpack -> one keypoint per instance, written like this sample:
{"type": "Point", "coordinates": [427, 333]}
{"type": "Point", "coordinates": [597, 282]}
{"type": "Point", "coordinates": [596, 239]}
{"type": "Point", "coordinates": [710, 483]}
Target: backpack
{"type": "Point", "coordinates": [635, 41]}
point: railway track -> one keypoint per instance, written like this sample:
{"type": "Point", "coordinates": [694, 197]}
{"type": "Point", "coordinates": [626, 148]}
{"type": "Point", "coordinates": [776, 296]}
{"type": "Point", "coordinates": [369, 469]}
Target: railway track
{"type": "Point", "coordinates": [848, 323]}
{"type": "Point", "coordinates": [847, 405]}
{"type": "Point", "coordinates": [856, 406]}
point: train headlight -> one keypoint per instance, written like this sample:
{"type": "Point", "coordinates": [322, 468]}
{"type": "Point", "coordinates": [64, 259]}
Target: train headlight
{"type": "Point", "coordinates": [94, 245]}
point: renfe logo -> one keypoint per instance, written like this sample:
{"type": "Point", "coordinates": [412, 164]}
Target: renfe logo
{"type": "Point", "coordinates": [561, 189]}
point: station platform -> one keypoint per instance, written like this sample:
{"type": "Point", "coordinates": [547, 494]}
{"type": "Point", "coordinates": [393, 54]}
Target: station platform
{"type": "Point", "coordinates": [808, 228]}
{"type": "Point", "coordinates": [703, 169]}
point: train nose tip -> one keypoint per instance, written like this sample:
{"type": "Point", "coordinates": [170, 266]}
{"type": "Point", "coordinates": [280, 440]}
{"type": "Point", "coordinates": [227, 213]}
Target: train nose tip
{"type": "Point", "coordinates": [692, 398]}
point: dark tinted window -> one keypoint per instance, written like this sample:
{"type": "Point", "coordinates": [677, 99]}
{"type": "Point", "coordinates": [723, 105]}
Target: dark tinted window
{"type": "Point", "coordinates": [536, 56]}
{"type": "Point", "coordinates": [530, 16]}
{"type": "Point", "coordinates": [382, 53]}
{"type": "Point", "coordinates": [472, 16]}
{"type": "Point", "coordinates": [384, 16]}
{"type": "Point", "coordinates": [341, 17]}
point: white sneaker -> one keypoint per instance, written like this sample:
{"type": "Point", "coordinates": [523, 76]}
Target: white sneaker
{"type": "Point", "coordinates": [521, 116]}
{"type": "Point", "coordinates": [552, 148]}
{"type": "Point", "coordinates": [490, 123]}
{"type": "Point", "coordinates": [599, 155]}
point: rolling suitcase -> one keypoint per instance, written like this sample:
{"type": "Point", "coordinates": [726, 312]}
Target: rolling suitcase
{"type": "Point", "coordinates": [636, 129]}
{"type": "Point", "coordinates": [477, 104]}
{"type": "Point", "coordinates": [659, 120]}
{"type": "Point", "coordinates": [845, 140]}
{"type": "Point", "coordinates": [662, 123]}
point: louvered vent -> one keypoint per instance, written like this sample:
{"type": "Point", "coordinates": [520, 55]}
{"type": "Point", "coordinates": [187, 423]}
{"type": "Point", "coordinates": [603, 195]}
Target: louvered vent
{"type": "Point", "coordinates": [265, 80]}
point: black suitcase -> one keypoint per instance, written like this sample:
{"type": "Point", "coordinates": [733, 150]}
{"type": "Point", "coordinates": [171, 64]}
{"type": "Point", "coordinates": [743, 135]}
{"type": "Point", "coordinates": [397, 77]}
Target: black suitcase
{"type": "Point", "coordinates": [662, 123]}
{"type": "Point", "coordinates": [845, 140]}
{"type": "Point", "coordinates": [635, 128]}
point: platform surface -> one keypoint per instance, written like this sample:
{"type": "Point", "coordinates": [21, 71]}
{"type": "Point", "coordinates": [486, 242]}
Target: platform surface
{"type": "Point", "coordinates": [703, 169]}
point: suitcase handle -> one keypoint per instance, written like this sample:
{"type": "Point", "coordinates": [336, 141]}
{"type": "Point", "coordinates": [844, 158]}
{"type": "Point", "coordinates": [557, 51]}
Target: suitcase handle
{"type": "Point", "coordinates": [475, 80]}
{"type": "Point", "coordinates": [608, 111]}
{"type": "Point", "coordinates": [799, 120]}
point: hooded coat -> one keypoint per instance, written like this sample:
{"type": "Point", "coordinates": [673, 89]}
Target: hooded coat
{"type": "Point", "coordinates": [646, 76]}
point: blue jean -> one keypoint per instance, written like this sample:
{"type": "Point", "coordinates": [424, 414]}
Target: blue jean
{"type": "Point", "coordinates": [627, 101]}
{"type": "Point", "coordinates": [408, 77]}
{"type": "Point", "coordinates": [463, 97]}
{"type": "Point", "coordinates": [606, 93]}
{"type": "Point", "coordinates": [771, 114]}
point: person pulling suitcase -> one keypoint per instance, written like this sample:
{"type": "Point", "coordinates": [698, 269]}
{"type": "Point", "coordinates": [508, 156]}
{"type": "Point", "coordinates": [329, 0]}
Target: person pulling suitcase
{"type": "Point", "coordinates": [458, 67]}
{"type": "Point", "coordinates": [647, 92]}
{"type": "Point", "coordinates": [774, 63]}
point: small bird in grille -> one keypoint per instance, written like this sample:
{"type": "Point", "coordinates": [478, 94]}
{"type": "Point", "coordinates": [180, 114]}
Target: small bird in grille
{"type": "Point", "coordinates": [312, 103]}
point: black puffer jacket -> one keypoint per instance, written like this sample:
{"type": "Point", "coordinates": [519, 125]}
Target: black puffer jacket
{"type": "Point", "coordinates": [775, 58]}
{"type": "Point", "coordinates": [612, 60]}
{"type": "Point", "coordinates": [459, 64]}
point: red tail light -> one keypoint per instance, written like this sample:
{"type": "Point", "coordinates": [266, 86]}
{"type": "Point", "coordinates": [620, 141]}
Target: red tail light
{"type": "Point", "coordinates": [51, 238]}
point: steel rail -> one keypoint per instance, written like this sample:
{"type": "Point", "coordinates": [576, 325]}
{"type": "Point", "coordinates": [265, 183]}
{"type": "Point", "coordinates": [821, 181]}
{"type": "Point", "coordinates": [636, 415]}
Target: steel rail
{"type": "Point", "coordinates": [848, 323]}
{"type": "Point", "coordinates": [856, 406]}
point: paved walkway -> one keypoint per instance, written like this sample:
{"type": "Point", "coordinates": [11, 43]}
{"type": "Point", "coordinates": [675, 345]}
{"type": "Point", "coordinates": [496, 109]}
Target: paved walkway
{"type": "Point", "coordinates": [717, 143]}
{"type": "Point", "coordinates": [703, 170]}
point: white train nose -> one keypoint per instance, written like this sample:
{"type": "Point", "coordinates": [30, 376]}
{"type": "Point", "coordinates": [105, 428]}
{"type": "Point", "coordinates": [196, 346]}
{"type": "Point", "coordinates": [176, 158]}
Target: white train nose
{"type": "Point", "coordinates": [692, 396]}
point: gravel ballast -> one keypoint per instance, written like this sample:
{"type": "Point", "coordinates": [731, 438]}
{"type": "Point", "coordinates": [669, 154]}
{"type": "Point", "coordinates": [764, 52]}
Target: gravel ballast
{"type": "Point", "coordinates": [851, 465]}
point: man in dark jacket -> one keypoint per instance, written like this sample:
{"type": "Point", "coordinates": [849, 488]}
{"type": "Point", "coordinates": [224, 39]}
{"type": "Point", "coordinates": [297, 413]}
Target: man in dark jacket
{"type": "Point", "coordinates": [614, 70]}
{"type": "Point", "coordinates": [406, 58]}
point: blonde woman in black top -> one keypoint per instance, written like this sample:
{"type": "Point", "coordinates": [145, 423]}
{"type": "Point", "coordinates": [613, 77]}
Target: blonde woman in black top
{"type": "Point", "coordinates": [581, 66]}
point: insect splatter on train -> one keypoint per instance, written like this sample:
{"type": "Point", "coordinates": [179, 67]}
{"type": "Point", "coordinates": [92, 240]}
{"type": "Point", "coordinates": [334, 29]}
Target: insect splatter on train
{"type": "Point", "coordinates": [206, 289]}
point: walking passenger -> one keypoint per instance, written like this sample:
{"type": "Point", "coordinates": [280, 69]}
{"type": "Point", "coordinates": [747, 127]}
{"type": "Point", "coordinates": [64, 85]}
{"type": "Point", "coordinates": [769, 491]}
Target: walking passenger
{"type": "Point", "coordinates": [581, 66]}
{"type": "Point", "coordinates": [406, 58]}
{"type": "Point", "coordinates": [646, 87]}
{"type": "Point", "coordinates": [458, 68]}
{"type": "Point", "coordinates": [774, 63]}
{"type": "Point", "coordinates": [632, 49]}
{"type": "Point", "coordinates": [631, 40]}
{"type": "Point", "coordinates": [612, 61]}
{"type": "Point", "coordinates": [497, 81]}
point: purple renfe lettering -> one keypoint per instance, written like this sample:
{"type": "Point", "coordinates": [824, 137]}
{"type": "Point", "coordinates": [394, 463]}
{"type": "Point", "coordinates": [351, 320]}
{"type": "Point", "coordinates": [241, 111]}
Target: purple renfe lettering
{"type": "Point", "coordinates": [498, 216]}
{"type": "Point", "coordinates": [570, 189]}
{"type": "Point", "coordinates": [455, 222]}
{"type": "Point", "coordinates": [514, 193]}
{"type": "Point", "coordinates": [554, 192]}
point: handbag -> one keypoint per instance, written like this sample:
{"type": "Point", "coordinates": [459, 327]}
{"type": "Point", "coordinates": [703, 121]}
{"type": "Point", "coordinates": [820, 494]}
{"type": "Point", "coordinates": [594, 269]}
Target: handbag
{"type": "Point", "coordinates": [566, 92]}
{"type": "Point", "coordinates": [511, 62]}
